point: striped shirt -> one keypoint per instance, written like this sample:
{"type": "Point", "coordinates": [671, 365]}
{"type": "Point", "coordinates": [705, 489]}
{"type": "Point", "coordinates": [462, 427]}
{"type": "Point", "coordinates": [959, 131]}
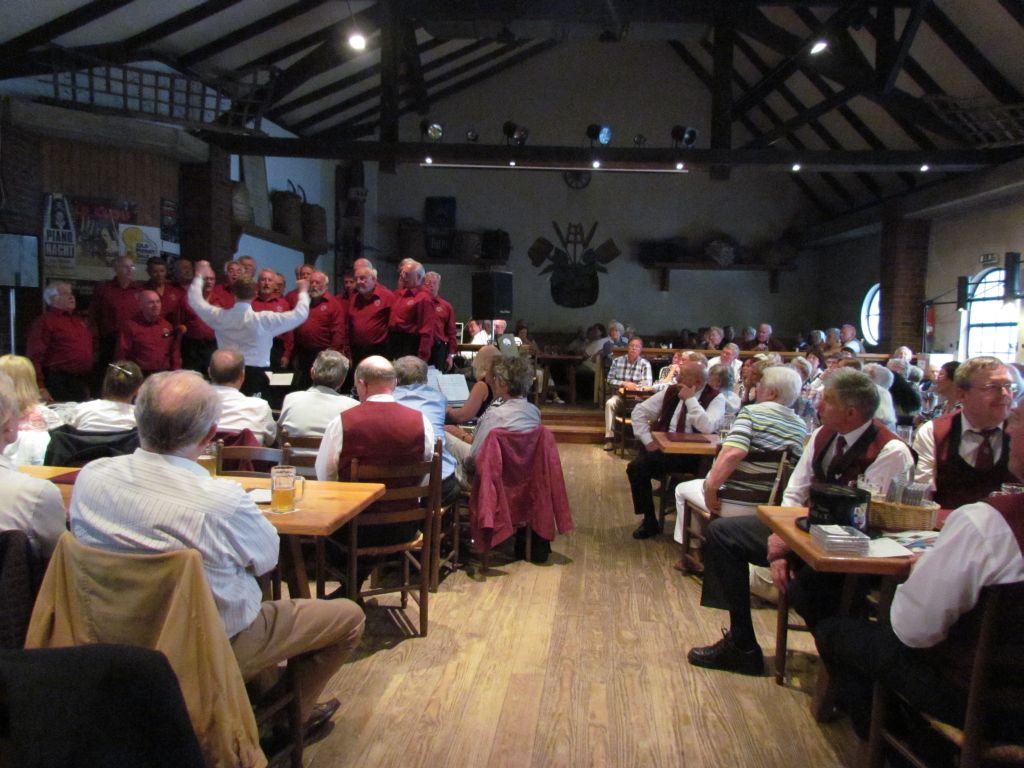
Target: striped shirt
{"type": "Point", "coordinates": [622, 371]}
{"type": "Point", "coordinates": [766, 427]}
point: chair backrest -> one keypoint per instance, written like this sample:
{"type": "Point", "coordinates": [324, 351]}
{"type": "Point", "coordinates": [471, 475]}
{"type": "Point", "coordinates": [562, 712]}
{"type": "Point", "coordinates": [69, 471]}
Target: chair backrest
{"type": "Point", "coordinates": [759, 487]}
{"type": "Point", "coordinates": [248, 460]}
{"type": "Point", "coordinates": [304, 451]}
{"type": "Point", "coordinates": [413, 491]}
{"type": "Point", "coordinates": [20, 573]}
{"type": "Point", "coordinates": [159, 601]}
{"type": "Point", "coordinates": [70, 447]}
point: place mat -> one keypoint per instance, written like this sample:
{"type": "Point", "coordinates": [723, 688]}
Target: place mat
{"type": "Point", "coordinates": [68, 478]}
{"type": "Point", "coordinates": [688, 437]}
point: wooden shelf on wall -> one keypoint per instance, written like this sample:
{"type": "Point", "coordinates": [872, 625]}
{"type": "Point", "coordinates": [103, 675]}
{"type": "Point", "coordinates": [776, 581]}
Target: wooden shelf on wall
{"type": "Point", "coordinates": [310, 250]}
{"type": "Point", "coordinates": [664, 272]}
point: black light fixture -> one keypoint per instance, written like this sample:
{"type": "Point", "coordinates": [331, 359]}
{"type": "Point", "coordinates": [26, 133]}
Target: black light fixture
{"type": "Point", "coordinates": [639, 140]}
{"type": "Point", "coordinates": [515, 134]}
{"type": "Point", "coordinates": [1011, 276]}
{"type": "Point", "coordinates": [963, 287]}
{"type": "Point", "coordinates": [431, 130]}
{"type": "Point", "coordinates": [472, 136]}
{"type": "Point", "coordinates": [683, 135]}
{"type": "Point", "coordinates": [602, 134]}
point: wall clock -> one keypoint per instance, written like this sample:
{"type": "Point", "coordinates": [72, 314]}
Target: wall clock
{"type": "Point", "coordinates": [576, 179]}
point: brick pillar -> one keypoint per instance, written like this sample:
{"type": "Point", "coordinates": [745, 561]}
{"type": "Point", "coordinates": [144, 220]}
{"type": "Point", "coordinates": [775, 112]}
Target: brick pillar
{"type": "Point", "coordinates": [206, 209]}
{"type": "Point", "coordinates": [904, 265]}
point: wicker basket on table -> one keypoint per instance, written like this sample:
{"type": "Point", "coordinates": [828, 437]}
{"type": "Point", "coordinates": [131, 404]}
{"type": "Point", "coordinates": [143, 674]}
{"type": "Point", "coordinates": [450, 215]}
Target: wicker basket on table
{"type": "Point", "coordinates": [890, 516]}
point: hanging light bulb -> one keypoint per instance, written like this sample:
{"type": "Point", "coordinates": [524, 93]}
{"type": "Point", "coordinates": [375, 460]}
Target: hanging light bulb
{"type": "Point", "coordinates": [356, 40]}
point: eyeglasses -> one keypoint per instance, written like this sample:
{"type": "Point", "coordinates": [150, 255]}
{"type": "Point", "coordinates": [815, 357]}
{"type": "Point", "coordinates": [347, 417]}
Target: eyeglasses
{"type": "Point", "coordinates": [1008, 387]}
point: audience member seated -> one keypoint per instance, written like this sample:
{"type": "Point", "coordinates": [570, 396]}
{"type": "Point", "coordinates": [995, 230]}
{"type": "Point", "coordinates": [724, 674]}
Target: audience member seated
{"type": "Point", "coordinates": [630, 372]}
{"type": "Point", "coordinates": [689, 406]}
{"type": "Point", "coordinates": [768, 425]}
{"type": "Point", "coordinates": [849, 340]}
{"type": "Point", "coordinates": [616, 339]}
{"type": "Point", "coordinates": [729, 355]}
{"type": "Point", "coordinates": [763, 341]}
{"type": "Point", "coordinates": [414, 392]}
{"type": "Point", "coordinates": [806, 403]}
{"type": "Point", "coordinates": [667, 374]}
{"type": "Point", "coordinates": [307, 413]}
{"type": "Point", "coordinates": [510, 381]}
{"type": "Point", "coordinates": [882, 378]}
{"type": "Point", "coordinates": [721, 377]}
{"type": "Point", "coordinates": [26, 503]}
{"type": "Point", "coordinates": [979, 546]}
{"type": "Point", "coordinates": [480, 396]}
{"type": "Point", "coordinates": [712, 338]}
{"type": "Point", "coordinates": [945, 387]}
{"type": "Point", "coordinates": [159, 499]}
{"type": "Point", "coordinates": [115, 411]}
{"type": "Point", "coordinates": [963, 455]}
{"type": "Point", "coordinates": [905, 397]}
{"type": "Point", "coordinates": [238, 411]}
{"type": "Point", "coordinates": [832, 341]}
{"type": "Point", "coordinates": [906, 354]}
{"type": "Point", "coordinates": [36, 418]}
{"type": "Point", "coordinates": [477, 334]}
{"type": "Point", "coordinates": [846, 445]}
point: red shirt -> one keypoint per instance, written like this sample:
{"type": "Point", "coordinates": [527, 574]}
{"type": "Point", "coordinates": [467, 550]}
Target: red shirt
{"type": "Point", "coordinates": [112, 306]}
{"type": "Point", "coordinates": [276, 303]}
{"type": "Point", "coordinates": [195, 328]}
{"type": "Point", "coordinates": [152, 346]}
{"type": "Point", "coordinates": [368, 317]}
{"type": "Point", "coordinates": [444, 325]}
{"type": "Point", "coordinates": [62, 341]}
{"type": "Point", "coordinates": [221, 296]}
{"type": "Point", "coordinates": [413, 312]}
{"type": "Point", "coordinates": [171, 301]}
{"type": "Point", "coordinates": [326, 327]}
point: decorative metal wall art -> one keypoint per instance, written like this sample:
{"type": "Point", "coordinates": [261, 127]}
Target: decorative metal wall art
{"type": "Point", "coordinates": [575, 266]}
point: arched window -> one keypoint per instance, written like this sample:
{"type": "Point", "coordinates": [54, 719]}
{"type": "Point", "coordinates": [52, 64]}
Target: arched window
{"type": "Point", "coordinates": [991, 327]}
{"type": "Point", "coordinates": [870, 311]}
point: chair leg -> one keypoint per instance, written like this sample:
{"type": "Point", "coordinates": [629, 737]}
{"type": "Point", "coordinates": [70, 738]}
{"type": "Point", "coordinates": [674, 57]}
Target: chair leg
{"type": "Point", "coordinates": [435, 551]}
{"type": "Point", "coordinates": [781, 638]}
{"type": "Point", "coordinates": [874, 750]}
{"type": "Point", "coordinates": [424, 594]}
{"type": "Point", "coordinates": [687, 514]}
{"type": "Point", "coordinates": [295, 717]}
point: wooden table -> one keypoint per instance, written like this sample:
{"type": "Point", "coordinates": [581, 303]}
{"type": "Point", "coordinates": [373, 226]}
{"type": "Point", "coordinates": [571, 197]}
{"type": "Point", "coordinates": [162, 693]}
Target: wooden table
{"type": "Point", "coordinates": [324, 508]}
{"type": "Point", "coordinates": [545, 360]}
{"type": "Point", "coordinates": [706, 447]}
{"type": "Point", "coordinates": [892, 570]}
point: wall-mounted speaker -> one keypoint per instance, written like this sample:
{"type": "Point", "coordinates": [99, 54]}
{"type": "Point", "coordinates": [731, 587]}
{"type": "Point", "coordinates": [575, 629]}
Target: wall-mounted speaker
{"type": "Point", "coordinates": [492, 295]}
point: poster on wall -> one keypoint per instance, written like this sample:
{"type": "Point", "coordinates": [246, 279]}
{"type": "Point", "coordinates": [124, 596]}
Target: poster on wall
{"type": "Point", "coordinates": [139, 242]}
{"type": "Point", "coordinates": [170, 243]}
{"type": "Point", "coordinates": [80, 235]}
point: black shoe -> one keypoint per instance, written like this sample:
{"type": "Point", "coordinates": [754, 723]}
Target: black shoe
{"type": "Point", "coordinates": [320, 715]}
{"type": "Point", "coordinates": [646, 530]}
{"type": "Point", "coordinates": [725, 655]}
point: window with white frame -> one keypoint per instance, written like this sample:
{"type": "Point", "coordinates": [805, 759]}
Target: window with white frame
{"type": "Point", "coordinates": [870, 312]}
{"type": "Point", "coordinates": [991, 325]}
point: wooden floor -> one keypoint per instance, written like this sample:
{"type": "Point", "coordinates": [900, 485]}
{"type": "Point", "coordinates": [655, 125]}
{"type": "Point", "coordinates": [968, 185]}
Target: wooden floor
{"type": "Point", "coordinates": [580, 662]}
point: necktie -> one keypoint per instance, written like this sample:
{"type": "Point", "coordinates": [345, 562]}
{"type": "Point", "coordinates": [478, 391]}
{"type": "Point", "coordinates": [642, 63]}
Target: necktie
{"type": "Point", "coordinates": [837, 455]}
{"type": "Point", "coordinates": [983, 459]}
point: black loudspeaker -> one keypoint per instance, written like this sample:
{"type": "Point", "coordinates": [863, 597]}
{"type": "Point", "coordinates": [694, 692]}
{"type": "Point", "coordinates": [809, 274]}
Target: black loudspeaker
{"type": "Point", "coordinates": [492, 295]}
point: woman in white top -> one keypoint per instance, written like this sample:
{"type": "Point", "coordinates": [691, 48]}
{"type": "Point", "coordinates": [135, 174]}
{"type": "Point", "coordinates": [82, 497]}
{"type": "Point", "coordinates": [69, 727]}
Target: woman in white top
{"type": "Point", "coordinates": [36, 419]}
{"type": "Point", "coordinates": [115, 411]}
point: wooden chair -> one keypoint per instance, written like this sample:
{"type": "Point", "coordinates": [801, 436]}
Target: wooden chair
{"type": "Point", "coordinates": [304, 462]}
{"type": "Point", "coordinates": [622, 424]}
{"type": "Point", "coordinates": [448, 526]}
{"type": "Point", "coordinates": [995, 681]}
{"type": "Point", "coordinates": [666, 495]}
{"type": "Point", "coordinates": [413, 494]}
{"type": "Point", "coordinates": [247, 455]}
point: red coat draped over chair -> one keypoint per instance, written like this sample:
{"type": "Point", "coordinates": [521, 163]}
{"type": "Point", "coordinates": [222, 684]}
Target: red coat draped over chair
{"type": "Point", "coordinates": [518, 480]}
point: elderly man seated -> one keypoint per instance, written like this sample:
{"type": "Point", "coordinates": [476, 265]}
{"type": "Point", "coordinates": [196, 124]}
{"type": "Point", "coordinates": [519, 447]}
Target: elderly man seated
{"type": "Point", "coordinates": [768, 425]}
{"type": "Point", "coordinates": [905, 397]}
{"type": "Point", "coordinates": [849, 443]}
{"type": "Point", "coordinates": [307, 413]}
{"type": "Point", "coordinates": [689, 406]}
{"type": "Point", "coordinates": [159, 499]}
{"type": "Point", "coordinates": [238, 411]}
{"type": "Point", "coordinates": [630, 372]}
{"type": "Point", "coordinates": [730, 355]}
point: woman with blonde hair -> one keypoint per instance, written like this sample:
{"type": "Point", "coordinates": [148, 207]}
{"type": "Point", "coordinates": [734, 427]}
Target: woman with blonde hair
{"type": "Point", "coordinates": [480, 395]}
{"type": "Point", "coordinates": [36, 419]}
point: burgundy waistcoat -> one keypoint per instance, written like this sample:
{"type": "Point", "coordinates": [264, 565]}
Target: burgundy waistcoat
{"type": "Point", "coordinates": [380, 433]}
{"type": "Point", "coordinates": [671, 401]}
{"type": "Point", "coordinates": [857, 458]}
{"type": "Point", "coordinates": [957, 482]}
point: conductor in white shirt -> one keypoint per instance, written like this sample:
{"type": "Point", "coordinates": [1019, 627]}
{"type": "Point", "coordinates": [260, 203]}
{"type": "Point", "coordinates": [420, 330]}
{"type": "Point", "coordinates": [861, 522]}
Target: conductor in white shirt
{"type": "Point", "coordinates": [243, 328]}
{"type": "Point", "coordinates": [238, 411]}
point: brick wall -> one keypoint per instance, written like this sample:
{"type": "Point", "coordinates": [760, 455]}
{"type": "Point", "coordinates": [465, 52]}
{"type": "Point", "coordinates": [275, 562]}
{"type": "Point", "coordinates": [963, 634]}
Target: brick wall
{"type": "Point", "coordinates": [904, 267]}
{"type": "Point", "coordinates": [206, 209]}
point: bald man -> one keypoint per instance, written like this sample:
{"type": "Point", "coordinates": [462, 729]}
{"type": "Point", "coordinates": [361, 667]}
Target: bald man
{"type": "Point", "coordinates": [411, 325]}
{"type": "Point", "coordinates": [148, 339]}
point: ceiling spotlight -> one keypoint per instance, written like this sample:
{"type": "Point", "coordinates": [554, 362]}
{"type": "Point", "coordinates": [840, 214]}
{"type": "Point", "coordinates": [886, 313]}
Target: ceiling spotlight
{"type": "Point", "coordinates": [796, 167]}
{"type": "Point", "coordinates": [683, 135]}
{"type": "Point", "coordinates": [596, 164]}
{"type": "Point", "coordinates": [515, 134]}
{"type": "Point", "coordinates": [639, 140]}
{"type": "Point", "coordinates": [680, 166]}
{"type": "Point", "coordinates": [602, 134]}
{"type": "Point", "coordinates": [472, 136]}
{"type": "Point", "coordinates": [428, 160]}
{"type": "Point", "coordinates": [818, 47]}
{"type": "Point", "coordinates": [433, 131]}
{"type": "Point", "coordinates": [356, 41]}
{"type": "Point", "coordinates": [925, 168]}
{"type": "Point", "coordinates": [512, 163]}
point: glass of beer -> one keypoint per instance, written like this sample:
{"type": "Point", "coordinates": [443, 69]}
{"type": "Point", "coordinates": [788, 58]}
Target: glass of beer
{"type": "Point", "coordinates": [286, 488]}
{"type": "Point", "coordinates": [208, 459]}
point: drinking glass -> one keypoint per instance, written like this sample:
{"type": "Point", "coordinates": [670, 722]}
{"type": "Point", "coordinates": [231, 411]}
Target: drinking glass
{"type": "Point", "coordinates": [286, 487]}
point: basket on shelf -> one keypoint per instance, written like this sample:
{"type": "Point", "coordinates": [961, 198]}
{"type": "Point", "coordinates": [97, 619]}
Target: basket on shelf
{"type": "Point", "coordinates": [287, 211]}
{"type": "Point", "coordinates": [890, 516]}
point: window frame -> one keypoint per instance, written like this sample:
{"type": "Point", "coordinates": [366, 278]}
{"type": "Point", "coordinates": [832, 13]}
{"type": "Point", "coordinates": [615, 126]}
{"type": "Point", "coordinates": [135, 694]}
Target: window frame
{"type": "Point", "coordinates": [872, 300]}
{"type": "Point", "coordinates": [983, 281]}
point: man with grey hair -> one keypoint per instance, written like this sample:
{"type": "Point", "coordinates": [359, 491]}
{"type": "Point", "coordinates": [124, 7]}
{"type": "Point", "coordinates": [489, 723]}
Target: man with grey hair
{"type": "Point", "coordinates": [26, 503]}
{"type": "Point", "coordinates": [325, 328]}
{"type": "Point", "coordinates": [159, 499]}
{"type": "Point", "coordinates": [849, 443]}
{"type": "Point", "coordinates": [60, 347]}
{"type": "Point", "coordinates": [763, 341]}
{"type": "Point", "coordinates": [730, 355]}
{"type": "Point", "coordinates": [369, 310]}
{"type": "Point", "coordinates": [444, 345]}
{"type": "Point", "coordinates": [849, 340]}
{"type": "Point", "coordinates": [768, 425]}
{"type": "Point", "coordinates": [882, 378]}
{"type": "Point", "coordinates": [238, 411]}
{"type": "Point", "coordinates": [411, 324]}
{"type": "Point", "coordinates": [414, 392]}
{"type": "Point", "coordinates": [307, 413]}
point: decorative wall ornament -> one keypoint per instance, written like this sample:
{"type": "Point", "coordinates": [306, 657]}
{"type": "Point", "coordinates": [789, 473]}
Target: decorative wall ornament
{"type": "Point", "coordinates": [574, 267]}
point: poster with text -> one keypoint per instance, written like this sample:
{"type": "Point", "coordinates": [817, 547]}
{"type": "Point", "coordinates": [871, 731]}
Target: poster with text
{"type": "Point", "coordinates": [80, 235]}
{"type": "Point", "coordinates": [170, 243]}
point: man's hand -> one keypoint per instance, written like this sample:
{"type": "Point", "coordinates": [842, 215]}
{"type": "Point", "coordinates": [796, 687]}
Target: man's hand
{"type": "Point", "coordinates": [284, 362]}
{"type": "Point", "coordinates": [203, 269]}
{"type": "Point", "coordinates": [777, 547]}
{"type": "Point", "coordinates": [652, 446]}
{"type": "Point", "coordinates": [629, 385]}
{"type": "Point", "coordinates": [685, 392]}
{"type": "Point", "coordinates": [302, 286]}
{"type": "Point", "coordinates": [781, 574]}
{"type": "Point", "coordinates": [711, 500]}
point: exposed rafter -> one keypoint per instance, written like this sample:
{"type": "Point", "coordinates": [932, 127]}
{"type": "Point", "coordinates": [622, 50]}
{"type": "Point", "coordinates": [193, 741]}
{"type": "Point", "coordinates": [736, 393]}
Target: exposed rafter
{"type": "Point", "coordinates": [893, 55]}
{"type": "Point", "coordinates": [61, 25]}
{"type": "Point", "coordinates": [410, 55]}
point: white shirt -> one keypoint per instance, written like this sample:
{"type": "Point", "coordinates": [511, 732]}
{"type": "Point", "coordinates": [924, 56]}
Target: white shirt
{"type": "Point", "coordinates": [970, 442]}
{"type": "Point", "coordinates": [886, 412]}
{"type": "Point", "coordinates": [103, 416]}
{"type": "Point", "coordinates": [975, 549]}
{"type": "Point", "coordinates": [697, 418]}
{"type": "Point", "coordinates": [31, 505]}
{"type": "Point", "coordinates": [894, 459]}
{"type": "Point", "coordinates": [481, 337]}
{"type": "Point", "coordinates": [242, 328]}
{"type": "Point", "coordinates": [240, 412]}
{"type": "Point", "coordinates": [736, 364]}
{"type": "Point", "coordinates": [330, 446]}
{"type": "Point", "coordinates": [150, 502]}
{"type": "Point", "coordinates": [307, 414]}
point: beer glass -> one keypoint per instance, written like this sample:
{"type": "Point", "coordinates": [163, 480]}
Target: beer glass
{"type": "Point", "coordinates": [208, 459]}
{"type": "Point", "coordinates": [286, 488]}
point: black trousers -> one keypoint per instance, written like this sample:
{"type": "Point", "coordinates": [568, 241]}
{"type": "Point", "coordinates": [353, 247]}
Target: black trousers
{"type": "Point", "coordinates": [439, 356]}
{"type": "Point", "coordinates": [67, 387]}
{"type": "Point", "coordinates": [302, 360]}
{"type": "Point", "coordinates": [256, 382]}
{"type": "Point", "coordinates": [196, 353]}
{"type": "Point", "coordinates": [401, 344]}
{"type": "Point", "coordinates": [649, 466]}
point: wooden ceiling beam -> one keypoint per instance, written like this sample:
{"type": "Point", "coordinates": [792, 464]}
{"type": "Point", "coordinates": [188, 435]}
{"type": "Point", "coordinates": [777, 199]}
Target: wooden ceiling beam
{"type": "Point", "coordinates": [806, 116]}
{"type": "Point", "coordinates": [1015, 8]}
{"type": "Point", "coordinates": [390, 52]}
{"type": "Point", "coordinates": [410, 57]}
{"type": "Point", "coordinates": [895, 55]}
{"type": "Point", "coordinates": [721, 91]}
{"type": "Point", "coordinates": [175, 24]}
{"type": "Point", "coordinates": [68, 22]}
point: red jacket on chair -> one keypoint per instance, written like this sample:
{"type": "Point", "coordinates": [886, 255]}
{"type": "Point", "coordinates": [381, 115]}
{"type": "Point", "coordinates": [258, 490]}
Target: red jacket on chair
{"type": "Point", "coordinates": [518, 480]}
